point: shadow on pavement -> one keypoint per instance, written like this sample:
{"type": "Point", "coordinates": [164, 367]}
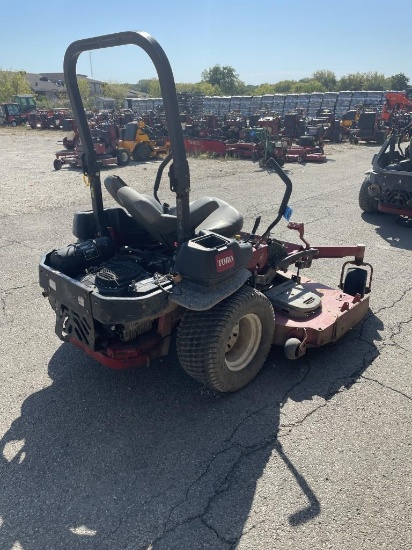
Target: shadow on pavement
{"type": "Point", "coordinates": [388, 228]}
{"type": "Point", "coordinates": [103, 459]}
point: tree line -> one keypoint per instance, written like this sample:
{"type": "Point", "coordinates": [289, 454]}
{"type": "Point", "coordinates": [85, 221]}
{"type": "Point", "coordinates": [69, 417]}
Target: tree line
{"type": "Point", "coordinates": [217, 80]}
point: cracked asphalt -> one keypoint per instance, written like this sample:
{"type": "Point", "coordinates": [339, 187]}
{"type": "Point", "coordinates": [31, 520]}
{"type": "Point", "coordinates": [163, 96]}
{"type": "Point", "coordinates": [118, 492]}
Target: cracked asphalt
{"type": "Point", "coordinates": [314, 454]}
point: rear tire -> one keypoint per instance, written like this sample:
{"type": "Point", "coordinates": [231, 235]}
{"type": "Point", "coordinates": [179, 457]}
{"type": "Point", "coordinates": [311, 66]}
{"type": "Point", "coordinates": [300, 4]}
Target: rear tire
{"type": "Point", "coordinates": [366, 202]}
{"type": "Point", "coordinates": [57, 164]}
{"type": "Point", "coordinates": [141, 153]}
{"type": "Point", "coordinates": [226, 346]}
{"type": "Point", "coordinates": [123, 157]}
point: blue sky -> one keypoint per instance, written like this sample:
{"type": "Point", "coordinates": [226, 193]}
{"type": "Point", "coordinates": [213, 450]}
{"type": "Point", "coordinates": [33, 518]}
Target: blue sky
{"type": "Point", "coordinates": [264, 41]}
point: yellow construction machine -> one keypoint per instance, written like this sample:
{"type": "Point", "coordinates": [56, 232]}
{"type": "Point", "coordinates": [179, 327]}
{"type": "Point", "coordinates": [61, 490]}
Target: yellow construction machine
{"type": "Point", "coordinates": [141, 141]}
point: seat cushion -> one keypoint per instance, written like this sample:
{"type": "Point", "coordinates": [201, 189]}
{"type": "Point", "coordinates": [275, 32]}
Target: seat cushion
{"type": "Point", "coordinates": [162, 227]}
{"type": "Point", "coordinates": [226, 220]}
{"type": "Point", "coordinates": [207, 213]}
{"type": "Point", "coordinates": [114, 183]}
{"type": "Point", "coordinates": [200, 209]}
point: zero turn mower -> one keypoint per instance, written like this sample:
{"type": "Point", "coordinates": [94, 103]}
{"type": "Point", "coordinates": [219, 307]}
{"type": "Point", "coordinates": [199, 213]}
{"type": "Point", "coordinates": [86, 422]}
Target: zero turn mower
{"type": "Point", "coordinates": [141, 270]}
{"type": "Point", "coordinates": [387, 187]}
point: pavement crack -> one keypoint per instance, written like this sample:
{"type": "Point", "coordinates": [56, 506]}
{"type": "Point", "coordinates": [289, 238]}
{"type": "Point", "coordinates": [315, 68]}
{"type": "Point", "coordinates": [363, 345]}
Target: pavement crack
{"type": "Point", "coordinates": [3, 296]}
{"type": "Point", "coordinates": [386, 386]}
{"type": "Point", "coordinates": [299, 422]}
{"type": "Point", "coordinates": [384, 308]}
{"type": "Point", "coordinates": [296, 384]}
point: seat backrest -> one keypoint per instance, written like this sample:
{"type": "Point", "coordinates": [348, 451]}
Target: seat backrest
{"type": "Point", "coordinates": [162, 227]}
{"type": "Point", "coordinates": [114, 183]}
{"type": "Point", "coordinates": [206, 213]}
{"type": "Point", "coordinates": [367, 121]}
{"type": "Point", "coordinates": [150, 214]}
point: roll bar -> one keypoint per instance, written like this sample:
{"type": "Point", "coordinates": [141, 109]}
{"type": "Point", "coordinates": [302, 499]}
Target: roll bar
{"type": "Point", "coordinates": [180, 175]}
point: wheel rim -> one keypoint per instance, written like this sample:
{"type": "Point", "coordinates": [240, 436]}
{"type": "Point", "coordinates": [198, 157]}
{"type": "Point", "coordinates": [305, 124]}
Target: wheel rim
{"type": "Point", "coordinates": [243, 342]}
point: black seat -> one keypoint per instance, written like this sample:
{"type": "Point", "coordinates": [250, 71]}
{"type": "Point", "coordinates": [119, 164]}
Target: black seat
{"type": "Point", "coordinates": [207, 213]}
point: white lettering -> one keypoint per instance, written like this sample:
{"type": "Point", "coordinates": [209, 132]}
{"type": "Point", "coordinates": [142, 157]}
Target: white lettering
{"type": "Point", "coordinates": [225, 261]}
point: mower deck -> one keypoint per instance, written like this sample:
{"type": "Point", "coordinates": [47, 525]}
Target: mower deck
{"type": "Point", "coordinates": [338, 313]}
{"type": "Point", "coordinates": [295, 153]}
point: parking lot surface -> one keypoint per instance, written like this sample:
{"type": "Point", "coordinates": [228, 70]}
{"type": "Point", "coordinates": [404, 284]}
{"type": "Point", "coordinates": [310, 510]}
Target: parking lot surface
{"type": "Point", "coordinates": [313, 454]}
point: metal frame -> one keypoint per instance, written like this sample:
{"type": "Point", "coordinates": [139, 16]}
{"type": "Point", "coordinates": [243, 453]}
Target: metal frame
{"type": "Point", "coordinates": [180, 178]}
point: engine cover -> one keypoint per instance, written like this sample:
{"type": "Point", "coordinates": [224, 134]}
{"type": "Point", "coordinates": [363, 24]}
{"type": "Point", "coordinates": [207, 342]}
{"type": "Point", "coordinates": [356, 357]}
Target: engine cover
{"type": "Point", "coordinates": [211, 258]}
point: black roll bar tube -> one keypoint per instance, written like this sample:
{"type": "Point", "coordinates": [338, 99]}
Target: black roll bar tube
{"type": "Point", "coordinates": [168, 88]}
{"type": "Point", "coordinates": [271, 163]}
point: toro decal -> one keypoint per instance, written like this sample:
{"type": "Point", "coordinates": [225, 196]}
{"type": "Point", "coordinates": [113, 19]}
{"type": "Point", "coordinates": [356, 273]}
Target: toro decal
{"type": "Point", "coordinates": [225, 260]}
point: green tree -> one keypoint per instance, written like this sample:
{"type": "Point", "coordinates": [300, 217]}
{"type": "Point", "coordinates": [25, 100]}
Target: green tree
{"type": "Point", "coordinates": [263, 89]}
{"type": "Point", "coordinates": [398, 82]}
{"type": "Point", "coordinates": [115, 91]}
{"type": "Point", "coordinates": [308, 86]}
{"type": "Point", "coordinates": [375, 81]}
{"type": "Point", "coordinates": [13, 83]}
{"type": "Point", "coordinates": [154, 88]}
{"type": "Point", "coordinates": [144, 85]}
{"type": "Point", "coordinates": [207, 88]}
{"type": "Point", "coordinates": [201, 87]}
{"type": "Point", "coordinates": [84, 89]}
{"type": "Point", "coordinates": [352, 81]}
{"type": "Point", "coordinates": [225, 78]}
{"type": "Point", "coordinates": [284, 86]}
{"type": "Point", "coordinates": [326, 78]}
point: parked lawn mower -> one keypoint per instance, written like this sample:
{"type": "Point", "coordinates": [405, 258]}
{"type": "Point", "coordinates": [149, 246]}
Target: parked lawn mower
{"type": "Point", "coordinates": [370, 128]}
{"type": "Point", "coordinates": [332, 130]}
{"type": "Point", "coordinates": [349, 120]}
{"type": "Point", "coordinates": [41, 119]}
{"type": "Point", "coordinates": [313, 137]}
{"type": "Point", "coordinates": [209, 146]}
{"type": "Point", "coordinates": [105, 139]}
{"type": "Point", "coordinates": [294, 125]}
{"type": "Point", "coordinates": [258, 143]}
{"type": "Point", "coordinates": [388, 186]}
{"type": "Point", "coordinates": [11, 114]}
{"type": "Point", "coordinates": [395, 103]}
{"type": "Point", "coordinates": [138, 271]}
{"type": "Point", "coordinates": [72, 134]}
{"type": "Point", "coordinates": [141, 141]}
{"type": "Point", "coordinates": [309, 152]}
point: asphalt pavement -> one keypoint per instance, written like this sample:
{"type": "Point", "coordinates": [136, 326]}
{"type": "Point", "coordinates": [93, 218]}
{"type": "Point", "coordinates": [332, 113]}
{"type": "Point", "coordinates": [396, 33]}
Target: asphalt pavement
{"type": "Point", "coordinates": [313, 454]}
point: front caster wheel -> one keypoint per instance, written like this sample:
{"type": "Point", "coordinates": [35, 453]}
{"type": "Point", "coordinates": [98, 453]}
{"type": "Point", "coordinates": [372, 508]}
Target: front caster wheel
{"type": "Point", "coordinates": [57, 164]}
{"type": "Point", "coordinates": [225, 347]}
{"type": "Point", "coordinates": [293, 349]}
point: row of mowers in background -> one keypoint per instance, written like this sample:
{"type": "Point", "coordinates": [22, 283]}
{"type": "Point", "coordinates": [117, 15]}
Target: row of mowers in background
{"type": "Point", "coordinates": [16, 113]}
{"type": "Point", "coordinates": [41, 119]}
{"type": "Point", "coordinates": [140, 142]}
{"type": "Point", "coordinates": [112, 144]}
{"type": "Point", "coordinates": [258, 139]}
{"type": "Point", "coordinates": [292, 138]}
